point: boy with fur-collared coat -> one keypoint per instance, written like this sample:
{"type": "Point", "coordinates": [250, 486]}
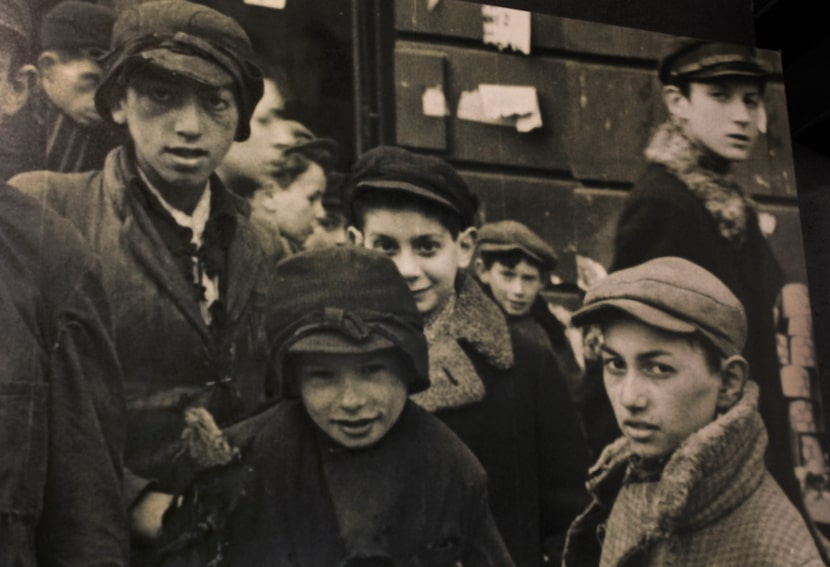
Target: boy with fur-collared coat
{"type": "Point", "coordinates": [686, 484]}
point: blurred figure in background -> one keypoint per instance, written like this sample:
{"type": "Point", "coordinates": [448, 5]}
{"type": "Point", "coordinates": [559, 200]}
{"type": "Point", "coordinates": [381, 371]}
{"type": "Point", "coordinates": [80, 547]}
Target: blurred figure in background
{"type": "Point", "coordinates": [330, 229]}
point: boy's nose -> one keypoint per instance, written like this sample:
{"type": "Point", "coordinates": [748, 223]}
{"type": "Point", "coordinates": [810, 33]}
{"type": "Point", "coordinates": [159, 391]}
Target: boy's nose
{"type": "Point", "coordinates": [189, 118]}
{"type": "Point", "coordinates": [632, 395]}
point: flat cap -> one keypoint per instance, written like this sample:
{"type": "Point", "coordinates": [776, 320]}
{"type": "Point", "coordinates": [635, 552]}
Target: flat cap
{"type": "Point", "coordinates": [186, 39]}
{"type": "Point", "coordinates": [706, 60]}
{"type": "Point", "coordinates": [508, 235]}
{"type": "Point", "coordinates": [390, 168]}
{"type": "Point", "coordinates": [344, 300]}
{"type": "Point", "coordinates": [77, 25]}
{"type": "Point", "coordinates": [672, 294]}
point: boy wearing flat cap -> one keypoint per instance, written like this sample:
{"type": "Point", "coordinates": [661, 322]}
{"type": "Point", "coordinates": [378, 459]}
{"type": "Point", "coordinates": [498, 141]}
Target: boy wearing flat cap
{"type": "Point", "coordinates": [346, 470]}
{"type": "Point", "coordinates": [686, 484]}
{"type": "Point", "coordinates": [491, 385]}
{"type": "Point", "coordinates": [186, 274]}
{"type": "Point", "coordinates": [512, 262]}
{"type": "Point", "coordinates": [688, 204]}
{"type": "Point", "coordinates": [73, 37]}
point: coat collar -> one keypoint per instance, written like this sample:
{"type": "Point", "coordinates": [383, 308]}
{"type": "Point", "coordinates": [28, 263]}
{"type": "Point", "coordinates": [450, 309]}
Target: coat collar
{"type": "Point", "coordinates": [474, 321]}
{"type": "Point", "coordinates": [713, 472]}
{"type": "Point", "coordinates": [707, 176]}
{"type": "Point", "coordinates": [121, 176]}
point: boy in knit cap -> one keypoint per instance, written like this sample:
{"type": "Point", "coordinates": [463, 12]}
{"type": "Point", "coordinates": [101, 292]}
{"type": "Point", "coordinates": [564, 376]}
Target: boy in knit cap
{"type": "Point", "coordinates": [346, 470]}
{"type": "Point", "coordinates": [495, 388]}
{"type": "Point", "coordinates": [513, 263]}
{"type": "Point", "coordinates": [73, 37]}
{"type": "Point", "coordinates": [687, 483]}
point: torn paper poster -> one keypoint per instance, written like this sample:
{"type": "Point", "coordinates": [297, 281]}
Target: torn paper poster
{"type": "Point", "coordinates": [434, 102]}
{"type": "Point", "coordinates": [275, 4]}
{"type": "Point", "coordinates": [506, 28]}
{"type": "Point", "coordinates": [502, 105]}
{"type": "Point", "coordinates": [431, 4]}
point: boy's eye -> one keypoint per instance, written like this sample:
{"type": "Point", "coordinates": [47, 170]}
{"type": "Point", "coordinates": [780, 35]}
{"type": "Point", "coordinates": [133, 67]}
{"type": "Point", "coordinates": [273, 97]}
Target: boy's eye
{"type": "Point", "coordinates": [385, 245]}
{"type": "Point", "coordinates": [427, 247]}
{"type": "Point", "coordinates": [508, 274]}
{"type": "Point", "coordinates": [216, 102]}
{"type": "Point", "coordinates": [658, 369]}
{"type": "Point", "coordinates": [318, 373]}
{"type": "Point", "coordinates": [752, 101]}
{"type": "Point", "coordinates": [373, 368]}
{"type": "Point", "coordinates": [160, 94]}
{"type": "Point", "coordinates": [613, 365]}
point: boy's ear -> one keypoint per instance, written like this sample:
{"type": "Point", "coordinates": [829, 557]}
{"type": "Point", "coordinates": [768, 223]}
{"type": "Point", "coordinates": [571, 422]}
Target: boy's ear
{"type": "Point", "coordinates": [676, 102]}
{"type": "Point", "coordinates": [119, 115]}
{"type": "Point", "coordinates": [481, 270]}
{"type": "Point", "coordinates": [355, 236]}
{"type": "Point", "coordinates": [46, 61]}
{"type": "Point", "coordinates": [734, 374]}
{"type": "Point", "coordinates": [466, 243]}
{"type": "Point", "coordinates": [22, 81]}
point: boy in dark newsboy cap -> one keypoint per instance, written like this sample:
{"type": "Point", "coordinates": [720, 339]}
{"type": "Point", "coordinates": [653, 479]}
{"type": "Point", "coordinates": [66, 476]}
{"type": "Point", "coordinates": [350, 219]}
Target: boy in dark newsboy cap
{"type": "Point", "coordinates": [346, 470]}
{"type": "Point", "coordinates": [686, 483]}
{"type": "Point", "coordinates": [497, 389]}
{"type": "Point", "coordinates": [73, 37]}
{"type": "Point", "coordinates": [186, 273]}
{"type": "Point", "coordinates": [687, 203]}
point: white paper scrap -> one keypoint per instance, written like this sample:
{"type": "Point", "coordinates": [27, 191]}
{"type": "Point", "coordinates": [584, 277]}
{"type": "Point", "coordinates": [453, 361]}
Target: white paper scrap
{"type": "Point", "coordinates": [431, 4]}
{"type": "Point", "coordinates": [502, 105]}
{"type": "Point", "coordinates": [434, 102]}
{"type": "Point", "coordinates": [506, 28]}
{"type": "Point", "coordinates": [274, 4]}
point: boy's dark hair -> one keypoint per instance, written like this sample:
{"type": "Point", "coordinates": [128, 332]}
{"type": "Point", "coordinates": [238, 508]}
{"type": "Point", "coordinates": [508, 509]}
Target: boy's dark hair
{"type": "Point", "coordinates": [508, 258]}
{"type": "Point", "coordinates": [711, 353]}
{"type": "Point", "coordinates": [367, 201]}
{"type": "Point", "coordinates": [685, 85]}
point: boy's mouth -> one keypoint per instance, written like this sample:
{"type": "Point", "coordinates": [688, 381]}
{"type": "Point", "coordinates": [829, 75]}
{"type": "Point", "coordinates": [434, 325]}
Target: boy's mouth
{"type": "Point", "coordinates": [355, 427]}
{"type": "Point", "coordinates": [639, 429]}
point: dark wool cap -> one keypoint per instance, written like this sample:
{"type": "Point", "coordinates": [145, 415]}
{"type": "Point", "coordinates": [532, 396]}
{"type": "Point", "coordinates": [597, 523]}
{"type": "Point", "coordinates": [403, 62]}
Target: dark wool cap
{"type": "Point", "coordinates": [77, 25]}
{"type": "Point", "coordinates": [509, 235]}
{"type": "Point", "coordinates": [322, 151]}
{"type": "Point", "coordinates": [16, 19]}
{"type": "Point", "coordinates": [706, 61]}
{"type": "Point", "coordinates": [389, 168]}
{"type": "Point", "coordinates": [672, 294]}
{"type": "Point", "coordinates": [344, 300]}
{"type": "Point", "coordinates": [186, 39]}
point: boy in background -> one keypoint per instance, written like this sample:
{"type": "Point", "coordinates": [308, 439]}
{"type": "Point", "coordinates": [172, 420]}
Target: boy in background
{"type": "Point", "coordinates": [513, 263]}
{"type": "Point", "coordinates": [499, 391]}
{"type": "Point", "coordinates": [687, 483]}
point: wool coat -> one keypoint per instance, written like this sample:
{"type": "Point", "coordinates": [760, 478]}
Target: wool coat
{"type": "Point", "coordinates": [417, 497]}
{"type": "Point", "coordinates": [687, 204]}
{"type": "Point", "coordinates": [504, 396]}
{"type": "Point", "coordinates": [171, 358]}
{"type": "Point", "coordinates": [714, 503]}
{"type": "Point", "coordinates": [62, 422]}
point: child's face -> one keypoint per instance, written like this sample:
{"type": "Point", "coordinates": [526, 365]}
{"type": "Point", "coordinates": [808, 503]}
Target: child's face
{"type": "Point", "coordinates": [297, 206]}
{"type": "Point", "coordinates": [659, 383]}
{"type": "Point", "coordinates": [515, 289]}
{"type": "Point", "coordinates": [423, 249]}
{"type": "Point", "coordinates": [354, 398]}
{"type": "Point", "coordinates": [723, 116]}
{"type": "Point", "coordinates": [70, 85]}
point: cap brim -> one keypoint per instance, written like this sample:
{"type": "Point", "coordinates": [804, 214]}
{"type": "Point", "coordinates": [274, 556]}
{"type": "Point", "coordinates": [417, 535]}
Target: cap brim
{"type": "Point", "coordinates": [335, 343]}
{"type": "Point", "coordinates": [406, 187]}
{"type": "Point", "coordinates": [649, 315]}
{"type": "Point", "coordinates": [187, 65]}
{"type": "Point", "coordinates": [547, 264]}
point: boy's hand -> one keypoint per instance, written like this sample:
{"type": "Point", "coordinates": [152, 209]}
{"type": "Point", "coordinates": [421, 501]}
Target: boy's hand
{"type": "Point", "coordinates": [146, 514]}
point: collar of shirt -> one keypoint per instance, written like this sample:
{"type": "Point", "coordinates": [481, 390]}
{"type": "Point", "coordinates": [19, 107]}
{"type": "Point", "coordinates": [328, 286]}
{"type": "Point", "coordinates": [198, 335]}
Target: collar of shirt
{"type": "Point", "coordinates": [196, 221]}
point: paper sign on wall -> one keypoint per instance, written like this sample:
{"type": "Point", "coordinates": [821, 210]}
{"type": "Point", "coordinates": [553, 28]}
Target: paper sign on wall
{"type": "Point", "coordinates": [502, 105]}
{"type": "Point", "coordinates": [506, 28]}
{"type": "Point", "coordinates": [434, 103]}
{"type": "Point", "coordinates": [273, 4]}
{"type": "Point", "coordinates": [431, 4]}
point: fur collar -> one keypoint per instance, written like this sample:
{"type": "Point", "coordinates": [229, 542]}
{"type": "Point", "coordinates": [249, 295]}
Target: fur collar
{"type": "Point", "coordinates": [475, 321]}
{"type": "Point", "coordinates": [714, 471]}
{"type": "Point", "coordinates": [707, 176]}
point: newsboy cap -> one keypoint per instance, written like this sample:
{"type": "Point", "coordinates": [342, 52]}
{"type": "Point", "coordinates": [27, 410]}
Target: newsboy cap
{"type": "Point", "coordinates": [77, 25]}
{"type": "Point", "coordinates": [508, 235]}
{"type": "Point", "coordinates": [188, 40]}
{"type": "Point", "coordinates": [707, 60]}
{"type": "Point", "coordinates": [672, 294]}
{"type": "Point", "coordinates": [394, 169]}
{"type": "Point", "coordinates": [344, 300]}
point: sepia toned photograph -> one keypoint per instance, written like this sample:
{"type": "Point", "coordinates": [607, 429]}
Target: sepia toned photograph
{"type": "Point", "coordinates": [404, 283]}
